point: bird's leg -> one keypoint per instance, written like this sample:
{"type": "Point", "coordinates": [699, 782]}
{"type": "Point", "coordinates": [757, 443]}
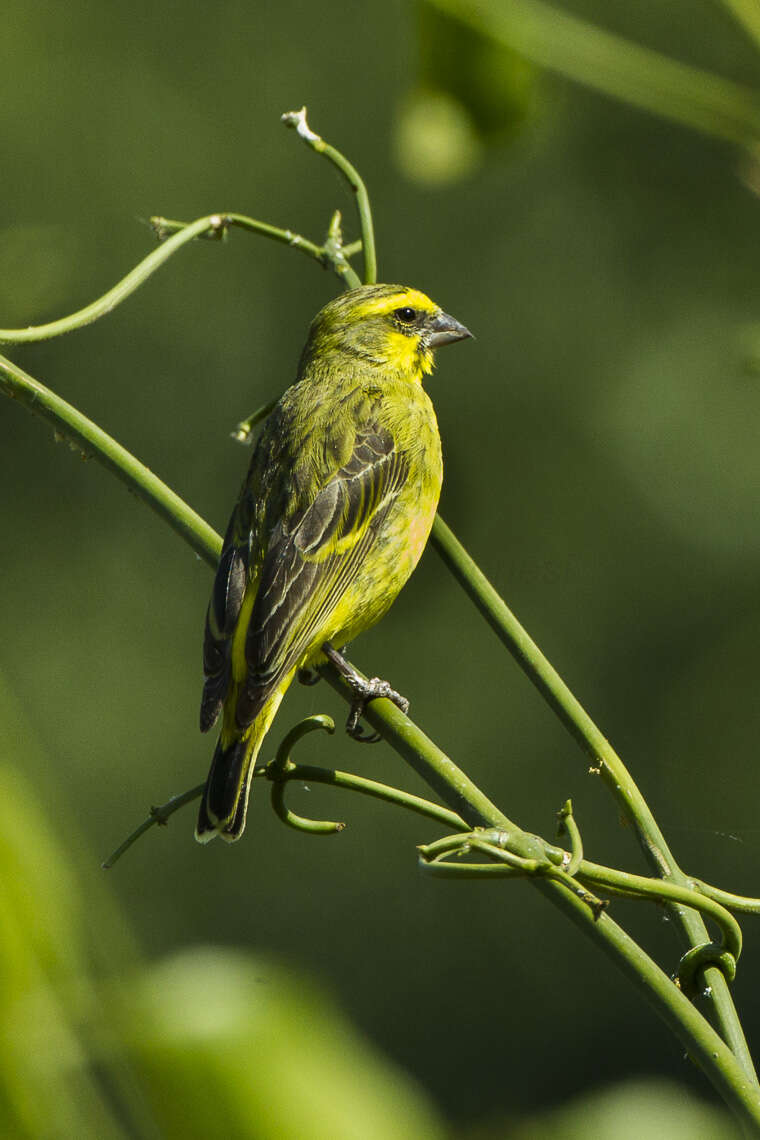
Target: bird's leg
{"type": "Point", "coordinates": [364, 691]}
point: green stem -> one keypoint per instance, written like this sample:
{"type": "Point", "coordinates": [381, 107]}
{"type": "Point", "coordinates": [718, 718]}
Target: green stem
{"type": "Point", "coordinates": [564, 43]}
{"type": "Point", "coordinates": [718, 1061]}
{"type": "Point", "coordinates": [297, 120]}
{"type": "Point", "coordinates": [620, 883]}
{"type": "Point", "coordinates": [165, 228]}
{"type": "Point", "coordinates": [374, 789]}
{"type": "Point", "coordinates": [280, 768]}
{"type": "Point", "coordinates": [213, 225]}
{"type": "Point", "coordinates": [444, 777]}
{"type": "Point", "coordinates": [331, 255]}
{"type": "Point", "coordinates": [495, 843]}
{"type": "Point", "coordinates": [567, 824]}
{"type": "Point", "coordinates": [120, 291]}
{"type": "Point", "coordinates": [243, 432]}
{"type": "Point", "coordinates": [747, 14]}
{"type": "Point", "coordinates": [728, 899]}
{"type": "Point", "coordinates": [605, 760]}
{"type": "Point", "coordinates": [157, 815]}
{"type": "Point", "coordinates": [627, 885]}
{"type": "Point", "coordinates": [308, 774]}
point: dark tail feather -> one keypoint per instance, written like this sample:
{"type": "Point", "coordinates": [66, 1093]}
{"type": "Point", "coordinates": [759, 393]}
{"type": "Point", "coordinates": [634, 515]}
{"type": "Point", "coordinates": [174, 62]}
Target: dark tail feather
{"type": "Point", "coordinates": [225, 797]}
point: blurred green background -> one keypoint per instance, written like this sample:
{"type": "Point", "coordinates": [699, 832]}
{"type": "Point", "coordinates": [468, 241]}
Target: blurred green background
{"type": "Point", "coordinates": [600, 441]}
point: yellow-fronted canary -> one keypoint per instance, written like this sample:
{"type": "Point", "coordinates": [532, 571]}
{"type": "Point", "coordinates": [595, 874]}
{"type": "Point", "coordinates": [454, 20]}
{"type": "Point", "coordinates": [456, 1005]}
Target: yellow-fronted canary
{"type": "Point", "coordinates": [332, 518]}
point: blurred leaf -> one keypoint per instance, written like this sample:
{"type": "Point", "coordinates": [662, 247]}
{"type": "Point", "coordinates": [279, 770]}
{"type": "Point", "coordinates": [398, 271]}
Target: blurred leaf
{"type": "Point", "coordinates": [218, 1036]}
{"type": "Point", "coordinates": [46, 1089]}
{"type": "Point", "coordinates": [434, 139]}
{"type": "Point", "coordinates": [472, 91]}
{"type": "Point", "coordinates": [488, 79]}
{"type": "Point", "coordinates": [624, 1112]}
{"type": "Point", "coordinates": [747, 14]}
{"type": "Point", "coordinates": [234, 1045]}
{"type": "Point", "coordinates": [586, 53]}
{"type": "Point", "coordinates": [60, 1071]}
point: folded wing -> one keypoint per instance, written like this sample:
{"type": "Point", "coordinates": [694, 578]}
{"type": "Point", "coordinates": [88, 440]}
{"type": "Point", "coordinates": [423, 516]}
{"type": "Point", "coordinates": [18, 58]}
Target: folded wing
{"type": "Point", "coordinates": [312, 556]}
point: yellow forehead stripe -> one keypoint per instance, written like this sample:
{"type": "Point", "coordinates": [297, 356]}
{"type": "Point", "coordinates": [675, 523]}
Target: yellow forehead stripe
{"type": "Point", "coordinates": [377, 306]}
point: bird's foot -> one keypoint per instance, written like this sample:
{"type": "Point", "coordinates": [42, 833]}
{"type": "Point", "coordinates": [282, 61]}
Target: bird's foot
{"type": "Point", "coordinates": [364, 692]}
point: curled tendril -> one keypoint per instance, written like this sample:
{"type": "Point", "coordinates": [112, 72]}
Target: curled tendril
{"type": "Point", "coordinates": [437, 858]}
{"type": "Point", "coordinates": [699, 958]}
{"type": "Point", "coordinates": [282, 769]}
{"type": "Point", "coordinates": [566, 825]}
{"type": "Point", "coordinates": [724, 955]}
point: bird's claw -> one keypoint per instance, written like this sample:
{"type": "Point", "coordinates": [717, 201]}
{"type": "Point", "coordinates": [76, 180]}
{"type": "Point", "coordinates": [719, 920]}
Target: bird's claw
{"type": "Point", "coordinates": [357, 733]}
{"type": "Point", "coordinates": [366, 691]}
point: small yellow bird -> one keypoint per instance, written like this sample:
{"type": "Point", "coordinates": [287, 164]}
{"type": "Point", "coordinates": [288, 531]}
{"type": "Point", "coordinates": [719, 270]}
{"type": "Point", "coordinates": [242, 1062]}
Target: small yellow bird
{"type": "Point", "coordinates": [331, 520]}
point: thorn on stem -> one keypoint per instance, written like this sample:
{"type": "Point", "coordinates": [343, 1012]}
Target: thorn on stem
{"type": "Point", "coordinates": [159, 815]}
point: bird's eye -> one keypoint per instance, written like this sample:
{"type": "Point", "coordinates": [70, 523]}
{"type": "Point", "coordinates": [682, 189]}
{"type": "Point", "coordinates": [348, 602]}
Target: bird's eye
{"type": "Point", "coordinates": [407, 315]}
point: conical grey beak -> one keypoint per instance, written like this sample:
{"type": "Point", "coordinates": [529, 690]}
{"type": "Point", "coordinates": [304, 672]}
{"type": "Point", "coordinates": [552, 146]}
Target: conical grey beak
{"type": "Point", "coordinates": [445, 330]}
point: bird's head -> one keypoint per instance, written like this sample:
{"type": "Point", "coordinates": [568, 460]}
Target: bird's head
{"type": "Point", "coordinates": [390, 326]}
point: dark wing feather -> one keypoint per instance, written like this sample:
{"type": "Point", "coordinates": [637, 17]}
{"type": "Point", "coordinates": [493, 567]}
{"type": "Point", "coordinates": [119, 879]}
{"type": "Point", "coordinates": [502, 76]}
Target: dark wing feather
{"type": "Point", "coordinates": [311, 559]}
{"type": "Point", "coordinates": [223, 611]}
